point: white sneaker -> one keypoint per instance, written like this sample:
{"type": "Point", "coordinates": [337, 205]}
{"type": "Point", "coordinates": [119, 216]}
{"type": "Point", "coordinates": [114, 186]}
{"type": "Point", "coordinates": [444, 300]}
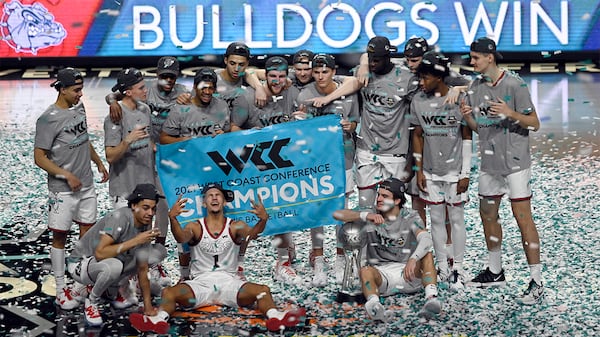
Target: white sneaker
{"type": "Point", "coordinates": [158, 279]}
{"type": "Point", "coordinates": [456, 281]}
{"type": "Point", "coordinates": [65, 299]}
{"type": "Point", "coordinates": [159, 276]}
{"type": "Point", "coordinates": [339, 266]}
{"type": "Point", "coordinates": [533, 294]}
{"type": "Point", "coordinates": [125, 298]}
{"type": "Point", "coordinates": [92, 314]}
{"type": "Point", "coordinates": [442, 275]}
{"type": "Point", "coordinates": [376, 311]}
{"type": "Point", "coordinates": [319, 276]}
{"type": "Point", "coordinates": [80, 292]}
{"type": "Point", "coordinates": [432, 305]}
{"type": "Point", "coordinates": [285, 273]}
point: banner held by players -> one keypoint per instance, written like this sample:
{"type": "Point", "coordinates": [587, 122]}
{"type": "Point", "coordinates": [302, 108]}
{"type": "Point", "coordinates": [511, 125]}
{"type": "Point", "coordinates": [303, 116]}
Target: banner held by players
{"type": "Point", "coordinates": [297, 168]}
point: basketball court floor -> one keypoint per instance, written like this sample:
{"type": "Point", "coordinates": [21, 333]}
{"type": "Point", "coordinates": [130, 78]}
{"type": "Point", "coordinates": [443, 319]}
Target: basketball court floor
{"type": "Point", "coordinates": [566, 199]}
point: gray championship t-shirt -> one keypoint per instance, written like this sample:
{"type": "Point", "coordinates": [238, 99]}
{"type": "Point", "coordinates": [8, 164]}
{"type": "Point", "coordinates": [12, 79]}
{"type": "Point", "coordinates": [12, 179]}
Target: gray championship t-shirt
{"type": "Point", "coordinates": [63, 134]}
{"type": "Point", "coordinates": [278, 109]}
{"type": "Point", "coordinates": [346, 107]}
{"type": "Point", "coordinates": [198, 121]}
{"type": "Point", "coordinates": [504, 144]}
{"type": "Point", "coordinates": [120, 226]}
{"type": "Point", "coordinates": [136, 166]}
{"type": "Point", "coordinates": [160, 104]}
{"type": "Point", "coordinates": [441, 123]}
{"type": "Point", "coordinates": [229, 91]}
{"type": "Point", "coordinates": [393, 241]}
{"type": "Point", "coordinates": [384, 128]}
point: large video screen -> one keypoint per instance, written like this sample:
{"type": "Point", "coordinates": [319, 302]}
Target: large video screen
{"type": "Point", "coordinates": [97, 28]}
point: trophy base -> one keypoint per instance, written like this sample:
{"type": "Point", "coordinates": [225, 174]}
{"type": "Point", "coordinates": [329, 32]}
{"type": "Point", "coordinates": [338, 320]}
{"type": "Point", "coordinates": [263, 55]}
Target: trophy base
{"type": "Point", "coordinates": [343, 297]}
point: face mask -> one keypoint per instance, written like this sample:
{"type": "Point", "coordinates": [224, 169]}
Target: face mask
{"type": "Point", "coordinates": [388, 204]}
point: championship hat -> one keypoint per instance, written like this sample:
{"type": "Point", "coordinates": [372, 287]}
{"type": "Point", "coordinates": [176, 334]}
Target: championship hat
{"type": "Point", "coordinates": [167, 65]}
{"type": "Point", "coordinates": [67, 77]}
{"type": "Point", "coordinates": [229, 196]}
{"type": "Point", "coordinates": [485, 45]}
{"type": "Point", "coordinates": [127, 78]}
{"type": "Point", "coordinates": [380, 46]}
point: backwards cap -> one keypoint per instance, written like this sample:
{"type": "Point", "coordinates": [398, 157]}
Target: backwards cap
{"type": "Point", "coordinates": [434, 63]}
{"type": "Point", "coordinates": [415, 47]}
{"type": "Point", "coordinates": [485, 45]}
{"type": "Point", "coordinates": [229, 196]}
{"type": "Point", "coordinates": [395, 186]}
{"type": "Point", "coordinates": [127, 78]}
{"type": "Point", "coordinates": [303, 56]}
{"type": "Point", "coordinates": [321, 60]}
{"type": "Point", "coordinates": [144, 191]}
{"type": "Point", "coordinates": [276, 63]}
{"type": "Point", "coordinates": [206, 75]}
{"type": "Point", "coordinates": [67, 77]}
{"type": "Point", "coordinates": [238, 48]}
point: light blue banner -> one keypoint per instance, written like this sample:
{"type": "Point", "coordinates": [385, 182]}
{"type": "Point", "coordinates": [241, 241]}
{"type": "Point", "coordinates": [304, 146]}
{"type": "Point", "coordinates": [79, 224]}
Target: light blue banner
{"type": "Point", "coordinates": [297, 168]}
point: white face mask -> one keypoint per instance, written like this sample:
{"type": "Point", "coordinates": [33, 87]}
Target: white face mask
{"type": "Point", "coordinates": [388, 204]}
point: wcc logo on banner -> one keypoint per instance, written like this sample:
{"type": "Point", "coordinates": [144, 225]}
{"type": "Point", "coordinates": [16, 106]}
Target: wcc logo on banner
{"type": "Point", "coordinates": [297, 168]}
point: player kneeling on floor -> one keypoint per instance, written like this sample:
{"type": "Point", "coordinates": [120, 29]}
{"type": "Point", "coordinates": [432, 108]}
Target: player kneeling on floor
{"type": "Point", "coordinates": [114, 249]}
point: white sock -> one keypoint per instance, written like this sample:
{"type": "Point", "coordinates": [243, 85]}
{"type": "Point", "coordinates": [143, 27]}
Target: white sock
{"type": "Point", "coordinates": [160, 316]}
{"type": "Point", "coordinates": [282, 254]}
{"type": "Point", "coordinates": [373, 297]}
{"type": "Point", "coordinates": [536, 272]}
{"type": "Point", "coordinates": [449, 250]}
{"type": "Point", "coordinates": [495, 261]}
{"type": "Point", "coordinates": [274, 313]}
{"type": "Point", "coordinates": [431, 290]}
{"type": "Point", "coordinates": [458, 266]}
{"type": "Point", "coordinates": [184, 271]}
{"type": "Point", "coordinates": [57, 258]}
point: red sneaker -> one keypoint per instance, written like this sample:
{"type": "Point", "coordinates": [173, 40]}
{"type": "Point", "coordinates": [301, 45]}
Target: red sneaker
{"type": "Point", "coordinates": [143, 323]}
{"type": "Point", "coordinates": [290, 319]}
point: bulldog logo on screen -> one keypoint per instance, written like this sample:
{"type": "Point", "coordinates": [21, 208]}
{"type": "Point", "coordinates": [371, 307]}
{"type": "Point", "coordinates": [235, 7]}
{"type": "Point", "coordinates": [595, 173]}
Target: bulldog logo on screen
{"type": "Point", "coordinates": [28, 28]}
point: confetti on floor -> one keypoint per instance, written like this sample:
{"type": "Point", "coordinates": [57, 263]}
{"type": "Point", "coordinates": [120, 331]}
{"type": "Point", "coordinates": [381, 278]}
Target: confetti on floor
{"type": "Point", "coordinates": [566, 196]}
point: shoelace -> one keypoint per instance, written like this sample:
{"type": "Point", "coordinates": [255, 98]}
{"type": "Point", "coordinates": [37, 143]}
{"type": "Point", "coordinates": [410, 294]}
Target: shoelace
{"type": "Point", "coordinates": [92, 311]}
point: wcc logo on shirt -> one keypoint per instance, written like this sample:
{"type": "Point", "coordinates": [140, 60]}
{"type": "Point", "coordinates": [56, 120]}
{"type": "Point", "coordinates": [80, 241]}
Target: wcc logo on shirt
{"type": "Point", "coordinates": [264, 155]}
{"type": "Point", "coordinates": [439, 120]}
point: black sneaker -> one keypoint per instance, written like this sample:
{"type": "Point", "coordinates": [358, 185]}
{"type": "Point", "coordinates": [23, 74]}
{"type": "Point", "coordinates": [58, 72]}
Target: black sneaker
{"type": "Point", "coordinates": [533, 294]}
{"type": "Point", "coordinates": [488, 279]}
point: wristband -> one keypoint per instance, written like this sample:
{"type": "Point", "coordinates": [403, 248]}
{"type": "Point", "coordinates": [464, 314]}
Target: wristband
{"type": "Point", "coordinates": [363, 215]}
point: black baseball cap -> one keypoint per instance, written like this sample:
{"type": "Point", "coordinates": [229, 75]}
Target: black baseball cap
{"type": "Point", "coordinates": [395, 186]}
{"type": "Point", "coordinates": [380, 46]}
{"type": "Point", "coordinates": [144, 191]}
{"type": "Point", "coordinates": [205, 74]}
{"type": "Point", "coordinates": [485, 45]}
{"type": "Point", "coordinates": [303, 56]}
{"type": "Point", "coordinates": [229, 196]}
{"type": "Point", "coordinates": [434, 63]}
{"type": "Point", "coordinates": [415, 47]}
{"type": "Point", "coordinates": [276, 63]}
{"type": "Point", "coordinates": [67, 77]}
{"type": "Point", "coordinates": [321, 60]}
{"type": "Point", "coordinates": [238, 48]}
{"type": "Point", "coordinates": [167, 65]}
{"type": "Point", "coordinates": [127, 78]}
